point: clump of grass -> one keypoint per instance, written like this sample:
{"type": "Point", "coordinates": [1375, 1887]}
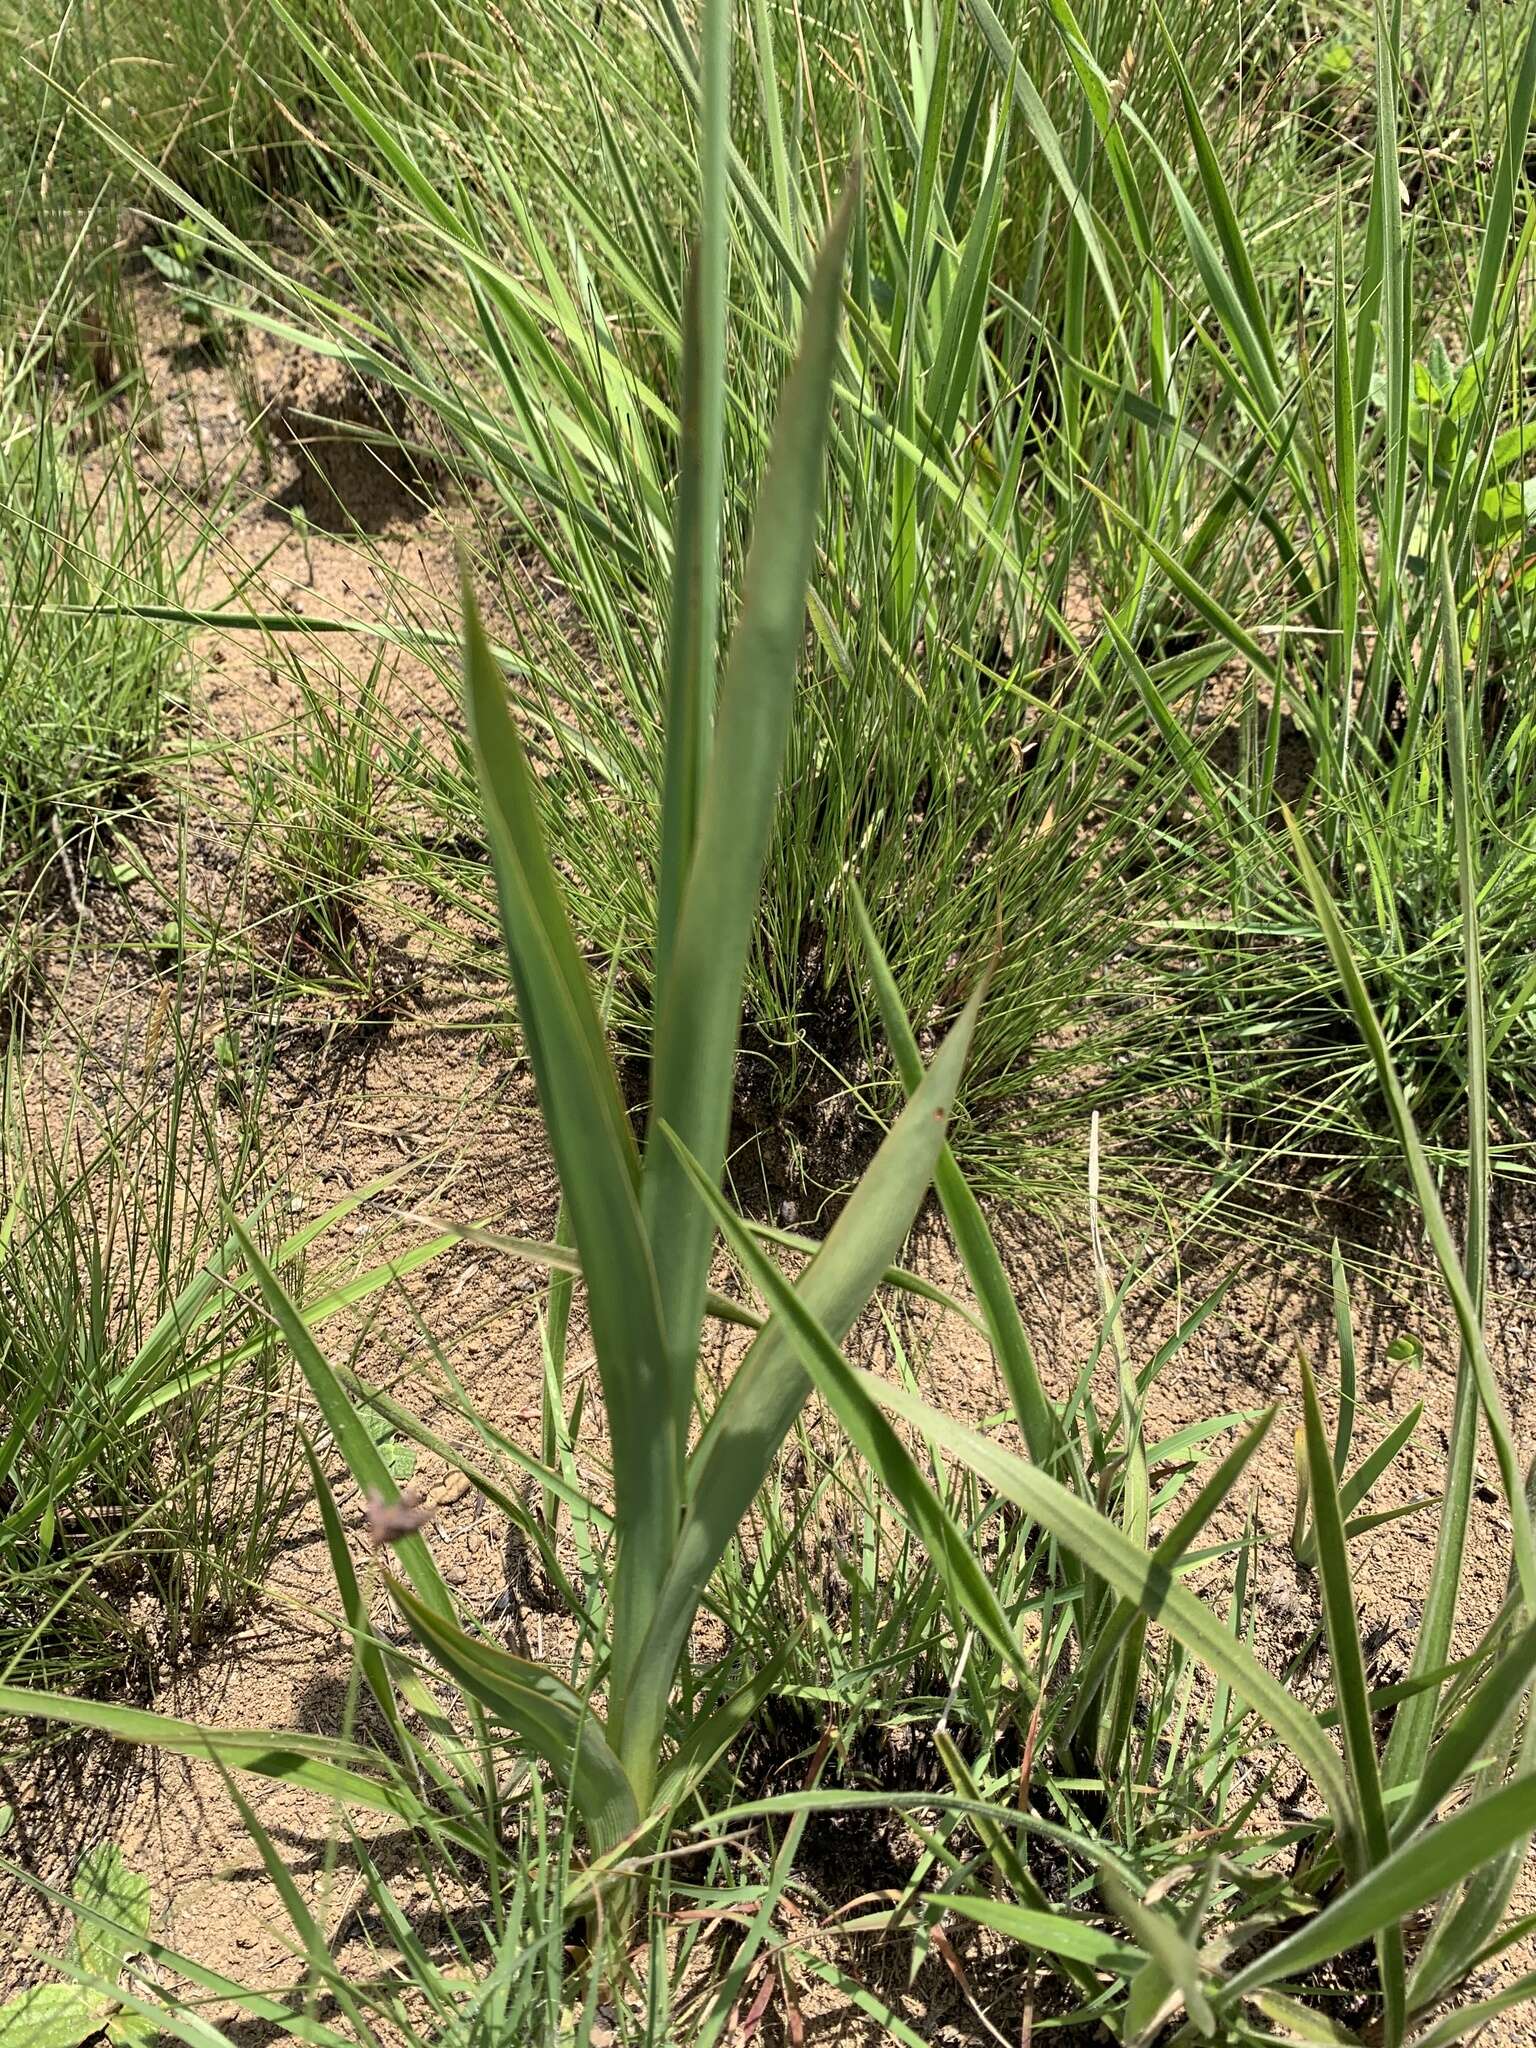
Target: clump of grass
{"type": "Point", "coordinates": [1173, 1838]}
{"type": "Point", "coordinates": [86, 693]}
{"type": "Point", "coordinates": [145, 1466]}
{"type": "Point", "coordinates": [315, 829]}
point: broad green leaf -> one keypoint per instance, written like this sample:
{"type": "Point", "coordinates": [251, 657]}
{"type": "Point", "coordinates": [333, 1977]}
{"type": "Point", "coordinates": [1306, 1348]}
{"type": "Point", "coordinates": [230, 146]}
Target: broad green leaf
{"type": "Point", "coordinates": [134, 2030]}
{"type": "Point", "coordinates": [768, 1389]}
{"type": "Point", "coordinates": [1293, 2021]}
{"type": "Point", "coordinates": [105, 1884]}
{"type": "Point", "coordinates": [593, 1147]}
{"type": "Point", "coordinates": [317, 1763]}
{"type": "Point", "coordinates": [1051, 1934]}
{"type": "Point", "coordinates": [52, 2016]}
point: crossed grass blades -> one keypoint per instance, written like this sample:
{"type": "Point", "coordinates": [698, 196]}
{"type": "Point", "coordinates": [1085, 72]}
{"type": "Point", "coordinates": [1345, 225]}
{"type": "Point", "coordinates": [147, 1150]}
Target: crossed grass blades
{"type": "Point", "coordinates": [1160, 1868]}
{"type": "Point", "coordinates": [1115, 339]}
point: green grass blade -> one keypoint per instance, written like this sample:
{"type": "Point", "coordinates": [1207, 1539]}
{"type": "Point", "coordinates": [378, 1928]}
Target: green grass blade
{"type": "Point", "coordinates": [695, 596]}
{"type": "Point", "coordinates": [364, 1460]}
{"type": "Point", "coordinates": [1471, 1735]}
{"type": "Point", "coordinates": [1351, 1687]}
{"type": "Point", "coordinates": [1418, 1872]}
{"type": "Point", "coordinates": [1499, 217]}
{"type": "Point", "coordinates": [316, 1763]}
{"type": "Point", "coordinates": [768, 1389]}
{"type": "Point", "coordinates": [1048, 140]}
{"type": "Point", "coordinates": [1411, 1733]}
{"type": "Point", "coordinates": [1032, 1406]}
{"type": "Point", "coordinates": [1051, 1934]}
{"type": "Point", "coordinates": [1463, 1299]}
{"type": "Point", "coordinates": [543, 1711]}
{"type": "Point", "coordinates": [593, 1147]}
{"type": "Point", "coordinates": [876, 1441]}
{"type": "Point", "coordinates": [1344, 1328]}
{"type": "Point", "coordinates": [1218, 1489]}
{"type": "Point", "coordinates": [694, 1050]}
{"type": "Point", "coordinates": [1104, 1550]}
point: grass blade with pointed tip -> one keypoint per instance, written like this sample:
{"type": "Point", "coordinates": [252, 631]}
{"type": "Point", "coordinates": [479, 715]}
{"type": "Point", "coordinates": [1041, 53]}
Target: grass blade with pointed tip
{"type": "Point", "coordinates": [594, 1149]}
{"type": "Point", "coordinates": [1419, 1871]}
{"type": "Point", "coordinates": [350, 1433]}
{"type": "Point", "coordinates": [1104, 1550]}
{"type": "Point", "coordinates": [1368, 1843]}
{"type": "Point", "coordinates": [316, 1763]}
{"type": "Point", "coordinates": [768, 1389]}
{"type": "Point", "coordinates": [973, 1240]}
{"type": "Point", "coordinates": [698, 1023]}
{"type": "Point", "coordinates": [1468, 1317]}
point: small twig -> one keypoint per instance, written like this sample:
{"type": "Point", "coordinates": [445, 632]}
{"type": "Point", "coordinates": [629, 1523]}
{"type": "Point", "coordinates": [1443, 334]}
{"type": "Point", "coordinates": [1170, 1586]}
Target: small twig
{"type": "Point", "coordinates": [75, 895]}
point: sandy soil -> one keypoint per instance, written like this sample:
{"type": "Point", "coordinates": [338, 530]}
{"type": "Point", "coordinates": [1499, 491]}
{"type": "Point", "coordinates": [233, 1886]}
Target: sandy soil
{"type": "Point", "coordinates": [429, 1093]}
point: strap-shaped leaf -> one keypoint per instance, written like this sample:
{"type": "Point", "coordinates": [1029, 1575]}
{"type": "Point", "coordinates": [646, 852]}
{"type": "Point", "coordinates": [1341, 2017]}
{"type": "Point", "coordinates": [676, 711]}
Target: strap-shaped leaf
{"type": "Point", "coordinates": [1472, 1735]}
{"type": "Point", "coordinates": [769, 1387]}
{"type": "Point", "coordinates": [1419, 1871]}
{"type": "Point", "coordinates": [1366, 1844]}
{"type": "Point", "coordinates": [594, 1150]}
{"type": "Point", "coordinates": [1501, 204]}
{"type": "Point", "coordinates": [352, 1437]}
{"type": "Point", "coordinates": [878, 1443]}
{"type": "Point", "coordinates": [1032, 1406]}
{"type": "Point", "coordinates": [337, 1770]}
{"type": "Point", "coordinates": [694, 1051]}
{"type": "Point", "coordinates": [543, 1711]}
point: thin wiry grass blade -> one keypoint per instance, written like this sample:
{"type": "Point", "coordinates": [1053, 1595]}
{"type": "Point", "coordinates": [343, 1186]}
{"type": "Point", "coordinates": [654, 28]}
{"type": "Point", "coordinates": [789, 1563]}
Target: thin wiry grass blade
{"type": "Point", "coordinates": [1411, 1731]}
{"type": "Point", "coordinates": [1468, 1318]}
{"type": "Point", "coordinates": [1499, 218]}
{"type": "Point", "coordinates": [1216, 1491]}
{"type": "Point", "coordinates": [1351, 1686]}
{"type": "Point", "coordinates": [364, 1460]}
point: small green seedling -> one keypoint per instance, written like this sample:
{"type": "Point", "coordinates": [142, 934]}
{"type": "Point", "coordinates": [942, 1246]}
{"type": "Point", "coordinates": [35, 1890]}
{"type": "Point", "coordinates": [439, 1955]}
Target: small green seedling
{"type": "Point", "coordinates": [197, 292]}
{"type": "Point", "coordinates": [111, 1928]}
